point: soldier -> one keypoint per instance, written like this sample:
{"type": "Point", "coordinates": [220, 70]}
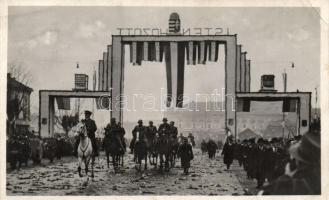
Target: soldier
{"type": "Point", "coordinates": [259, 162]}
{"type": "Point", "coordinates": [173, 130]}
{"type": "Point", "coordinates": [186, 154]}
{"type": "Point", "coordinates": [228, 152]}
{"type": "Point", "coordinates": [151, 133]}
{"type": "Point", "coordinates": [141, 130]}
{"type": "Point", "coordinates": [122, 135]}
{"type": "Point", "coordinates": [91, 129]}
{"type": "Point", "coordinates": [117, 131]}
{"type": "Point", "coordinates": [164, 128]}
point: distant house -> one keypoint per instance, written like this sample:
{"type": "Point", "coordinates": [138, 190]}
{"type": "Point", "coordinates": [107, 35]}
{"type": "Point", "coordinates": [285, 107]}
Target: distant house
{"type": "Point", "coordinates": [18, 105]}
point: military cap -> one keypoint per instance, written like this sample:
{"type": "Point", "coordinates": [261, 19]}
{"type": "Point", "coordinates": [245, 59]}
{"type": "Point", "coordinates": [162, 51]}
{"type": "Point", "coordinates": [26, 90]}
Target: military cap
{"type": "Point", "coordinates": [140, 121]}
{"type": "Point", "coordinates": [164, 119]}
{"type": "Point", "coordinates": [87, 112]}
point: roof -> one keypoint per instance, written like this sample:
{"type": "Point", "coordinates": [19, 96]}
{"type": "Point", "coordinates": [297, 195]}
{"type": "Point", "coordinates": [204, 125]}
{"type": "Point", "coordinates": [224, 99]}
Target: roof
{"type": "Point", "coordinates": [246, 134]}
{"type": "Point", "coordinates": [14, 84]}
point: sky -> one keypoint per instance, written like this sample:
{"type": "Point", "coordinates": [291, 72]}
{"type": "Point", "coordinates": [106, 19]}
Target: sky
{"type": "Point", "coordinates": [49, 41]}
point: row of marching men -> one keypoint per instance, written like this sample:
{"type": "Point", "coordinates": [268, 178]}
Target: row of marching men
{"type": "Point", "coordinates": [290, 166]}
{"type": "Point", "coordinates": [151, 133]}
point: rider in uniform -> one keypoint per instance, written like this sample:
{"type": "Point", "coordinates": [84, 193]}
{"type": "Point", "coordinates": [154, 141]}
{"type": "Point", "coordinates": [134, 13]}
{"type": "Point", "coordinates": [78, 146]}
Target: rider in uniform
{"type": "Point", "coordinates": [173, 130]}
{"type": "Point", "coordinates": [141, 134]}
{"type": "Point", "coordinates": [117, 131]}
{"type": "Point", "coordinates": [122, 135]}
{"type": "Point", "coordinates": [151, 132]}
{"type": "Point", "coordinates": [91, 129]}
{"type": "Point", "coordinates": [164, 128]}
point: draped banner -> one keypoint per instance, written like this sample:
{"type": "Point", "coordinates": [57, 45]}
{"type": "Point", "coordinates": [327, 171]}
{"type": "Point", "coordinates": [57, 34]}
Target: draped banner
{"type": "Point", "coordinates": [190, 53]}
{"type": "Point", "coordinates": [139, 53]}
{"type": "Point", "coordinates": [157, 51]}
{"type": "Point", "coordinates": [194, 53]}
{"type": "Point", "coordinates": [202, 53]}
{"type": "Point", "coordinates": [151, 51]}
{"type": "Point", "coordinates": [146, 51]}
{"type": "Point", "coordinates": [134, 53]}
{"type": "Point", "coordinates": [63, 103]}
{"type": "Point", "coordinates": [213, 54]}
{"type": "Point", "coordinates": [289, 105]}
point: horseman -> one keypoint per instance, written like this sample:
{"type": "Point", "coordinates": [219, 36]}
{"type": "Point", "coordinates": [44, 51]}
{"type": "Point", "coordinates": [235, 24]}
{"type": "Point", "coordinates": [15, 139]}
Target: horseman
{"type": "Point", "coordinates": [164, 128]}
{"type": "Point", "coordinates": [141, 130]}
{"type": "Point", "coordinates": [122, 135]}
{"type": "Point", "coordinates": [151, 133]}
{"type": "Point", "coordinates": [114, 129]}
{"type": "Point", "coordinates": [173, 130]}
{"type": "Point", "coordinates": [91, 129]}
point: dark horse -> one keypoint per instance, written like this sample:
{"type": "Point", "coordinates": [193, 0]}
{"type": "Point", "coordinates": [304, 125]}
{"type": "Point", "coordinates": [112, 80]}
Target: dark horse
{"type": "Point", "coordinates": [173, 147]}
{"type": "Point", "coordinates": [153, 152]}
{"type": "Point", "coordinates": [140, 153]}
{"type": "Point", "coordinates": [163, 148]}
{"type": "Point", "coordinates": [113, 147]}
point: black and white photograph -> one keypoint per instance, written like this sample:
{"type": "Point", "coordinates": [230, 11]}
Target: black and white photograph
{"type": "Point", "coordinates": [163, 100]}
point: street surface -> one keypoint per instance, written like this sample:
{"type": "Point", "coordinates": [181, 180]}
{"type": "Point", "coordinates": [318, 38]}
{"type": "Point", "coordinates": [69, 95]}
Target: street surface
{"type": "Point", "coordinates": [207, 177]}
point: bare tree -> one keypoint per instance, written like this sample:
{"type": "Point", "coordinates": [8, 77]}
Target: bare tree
{"type": "Point", "coordinates": [17, 104]}
{"type": "Point", "coordinates": [66, 120]}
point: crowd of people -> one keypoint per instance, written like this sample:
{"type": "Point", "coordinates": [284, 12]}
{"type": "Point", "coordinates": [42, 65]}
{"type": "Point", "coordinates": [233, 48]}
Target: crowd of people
{"type": "Point", "coordinates": [281, 166]}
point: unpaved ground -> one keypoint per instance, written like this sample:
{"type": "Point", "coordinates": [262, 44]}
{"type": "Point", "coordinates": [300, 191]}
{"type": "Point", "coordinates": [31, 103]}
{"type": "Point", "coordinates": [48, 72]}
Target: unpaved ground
{"type": "Point", "coordinates": [207, 177]}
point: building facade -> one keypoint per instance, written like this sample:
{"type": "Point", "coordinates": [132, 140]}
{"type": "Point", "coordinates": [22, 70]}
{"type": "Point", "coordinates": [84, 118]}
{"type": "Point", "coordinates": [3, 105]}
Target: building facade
{"type": "Point", "coordinates": [18, 105]}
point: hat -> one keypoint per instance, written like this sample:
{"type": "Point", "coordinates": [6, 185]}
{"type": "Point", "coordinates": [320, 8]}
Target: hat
{"type": "Point", "coordinates": [151, 122]}
{"type": "Point", "coordinates": [164, 119]}
{"type": "Point", "coordinates": [172, 122]}
{"type": "Point", "coordinates": [140, 121]}
{"type": "Point", "coordinates": [308, 149]}
{"type": "Point", "coordinates": [87, 112]}
{"type": "Point", "coordinates": [260, 141]}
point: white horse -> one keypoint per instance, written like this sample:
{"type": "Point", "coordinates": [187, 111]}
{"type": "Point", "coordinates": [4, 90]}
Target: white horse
{"type": "Point", "coordinates": [85, 149]}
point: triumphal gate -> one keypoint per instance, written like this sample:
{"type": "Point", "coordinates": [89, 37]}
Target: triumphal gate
{"type": "Point", "coordinates": [177, 50]}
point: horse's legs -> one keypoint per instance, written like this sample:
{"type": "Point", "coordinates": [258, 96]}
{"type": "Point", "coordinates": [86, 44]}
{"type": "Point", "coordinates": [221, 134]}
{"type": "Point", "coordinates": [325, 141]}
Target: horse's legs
{"type": "Point", "coordinates": [92, 166]}
{"type": "Point", "coordinates": [114, 163]}
{"type": "Point", "coordinates": [108, 160]}
{"type": "Point", "coordinates": [86, 165]}
{"type": "Point", "coordinates": [79, 167]}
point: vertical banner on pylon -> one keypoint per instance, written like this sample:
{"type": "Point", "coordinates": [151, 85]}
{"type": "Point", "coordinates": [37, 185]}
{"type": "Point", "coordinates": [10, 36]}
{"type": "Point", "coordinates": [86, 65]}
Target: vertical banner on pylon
{"type": "Point", "coordinates": [100, 75]}
{"type": "Point", "coordinates": [157, 51]}
{"type": "Point", "coordinates": [146, 51]}
{"type": "Point", "coordinates": [109, 67]}
{"type": "Point", "coordinates": [190, 53]}
{"type": "Point", "coordinates": [134, 53]}
{"type": "Point", "coordinates": [202, 50]}
{"type": "Point", "coordinates": [105, 71]}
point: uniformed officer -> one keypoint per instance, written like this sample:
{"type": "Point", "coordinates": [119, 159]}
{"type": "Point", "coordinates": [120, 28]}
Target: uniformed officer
{"type": "Point", "coordinates": [122, 135]}
{"type": "Point", "coordinates": [151, 133]}
{"type": "Point", "coordinates": [140, 129]}
{"type": "Point", "coordinates": [91, 129]}
{"type": "Point", "coordinates": [116, 131]}
{"type": "Point", "coordinates": [173, 130]}
{"type": "Point", "coordinates": [164, 128]}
